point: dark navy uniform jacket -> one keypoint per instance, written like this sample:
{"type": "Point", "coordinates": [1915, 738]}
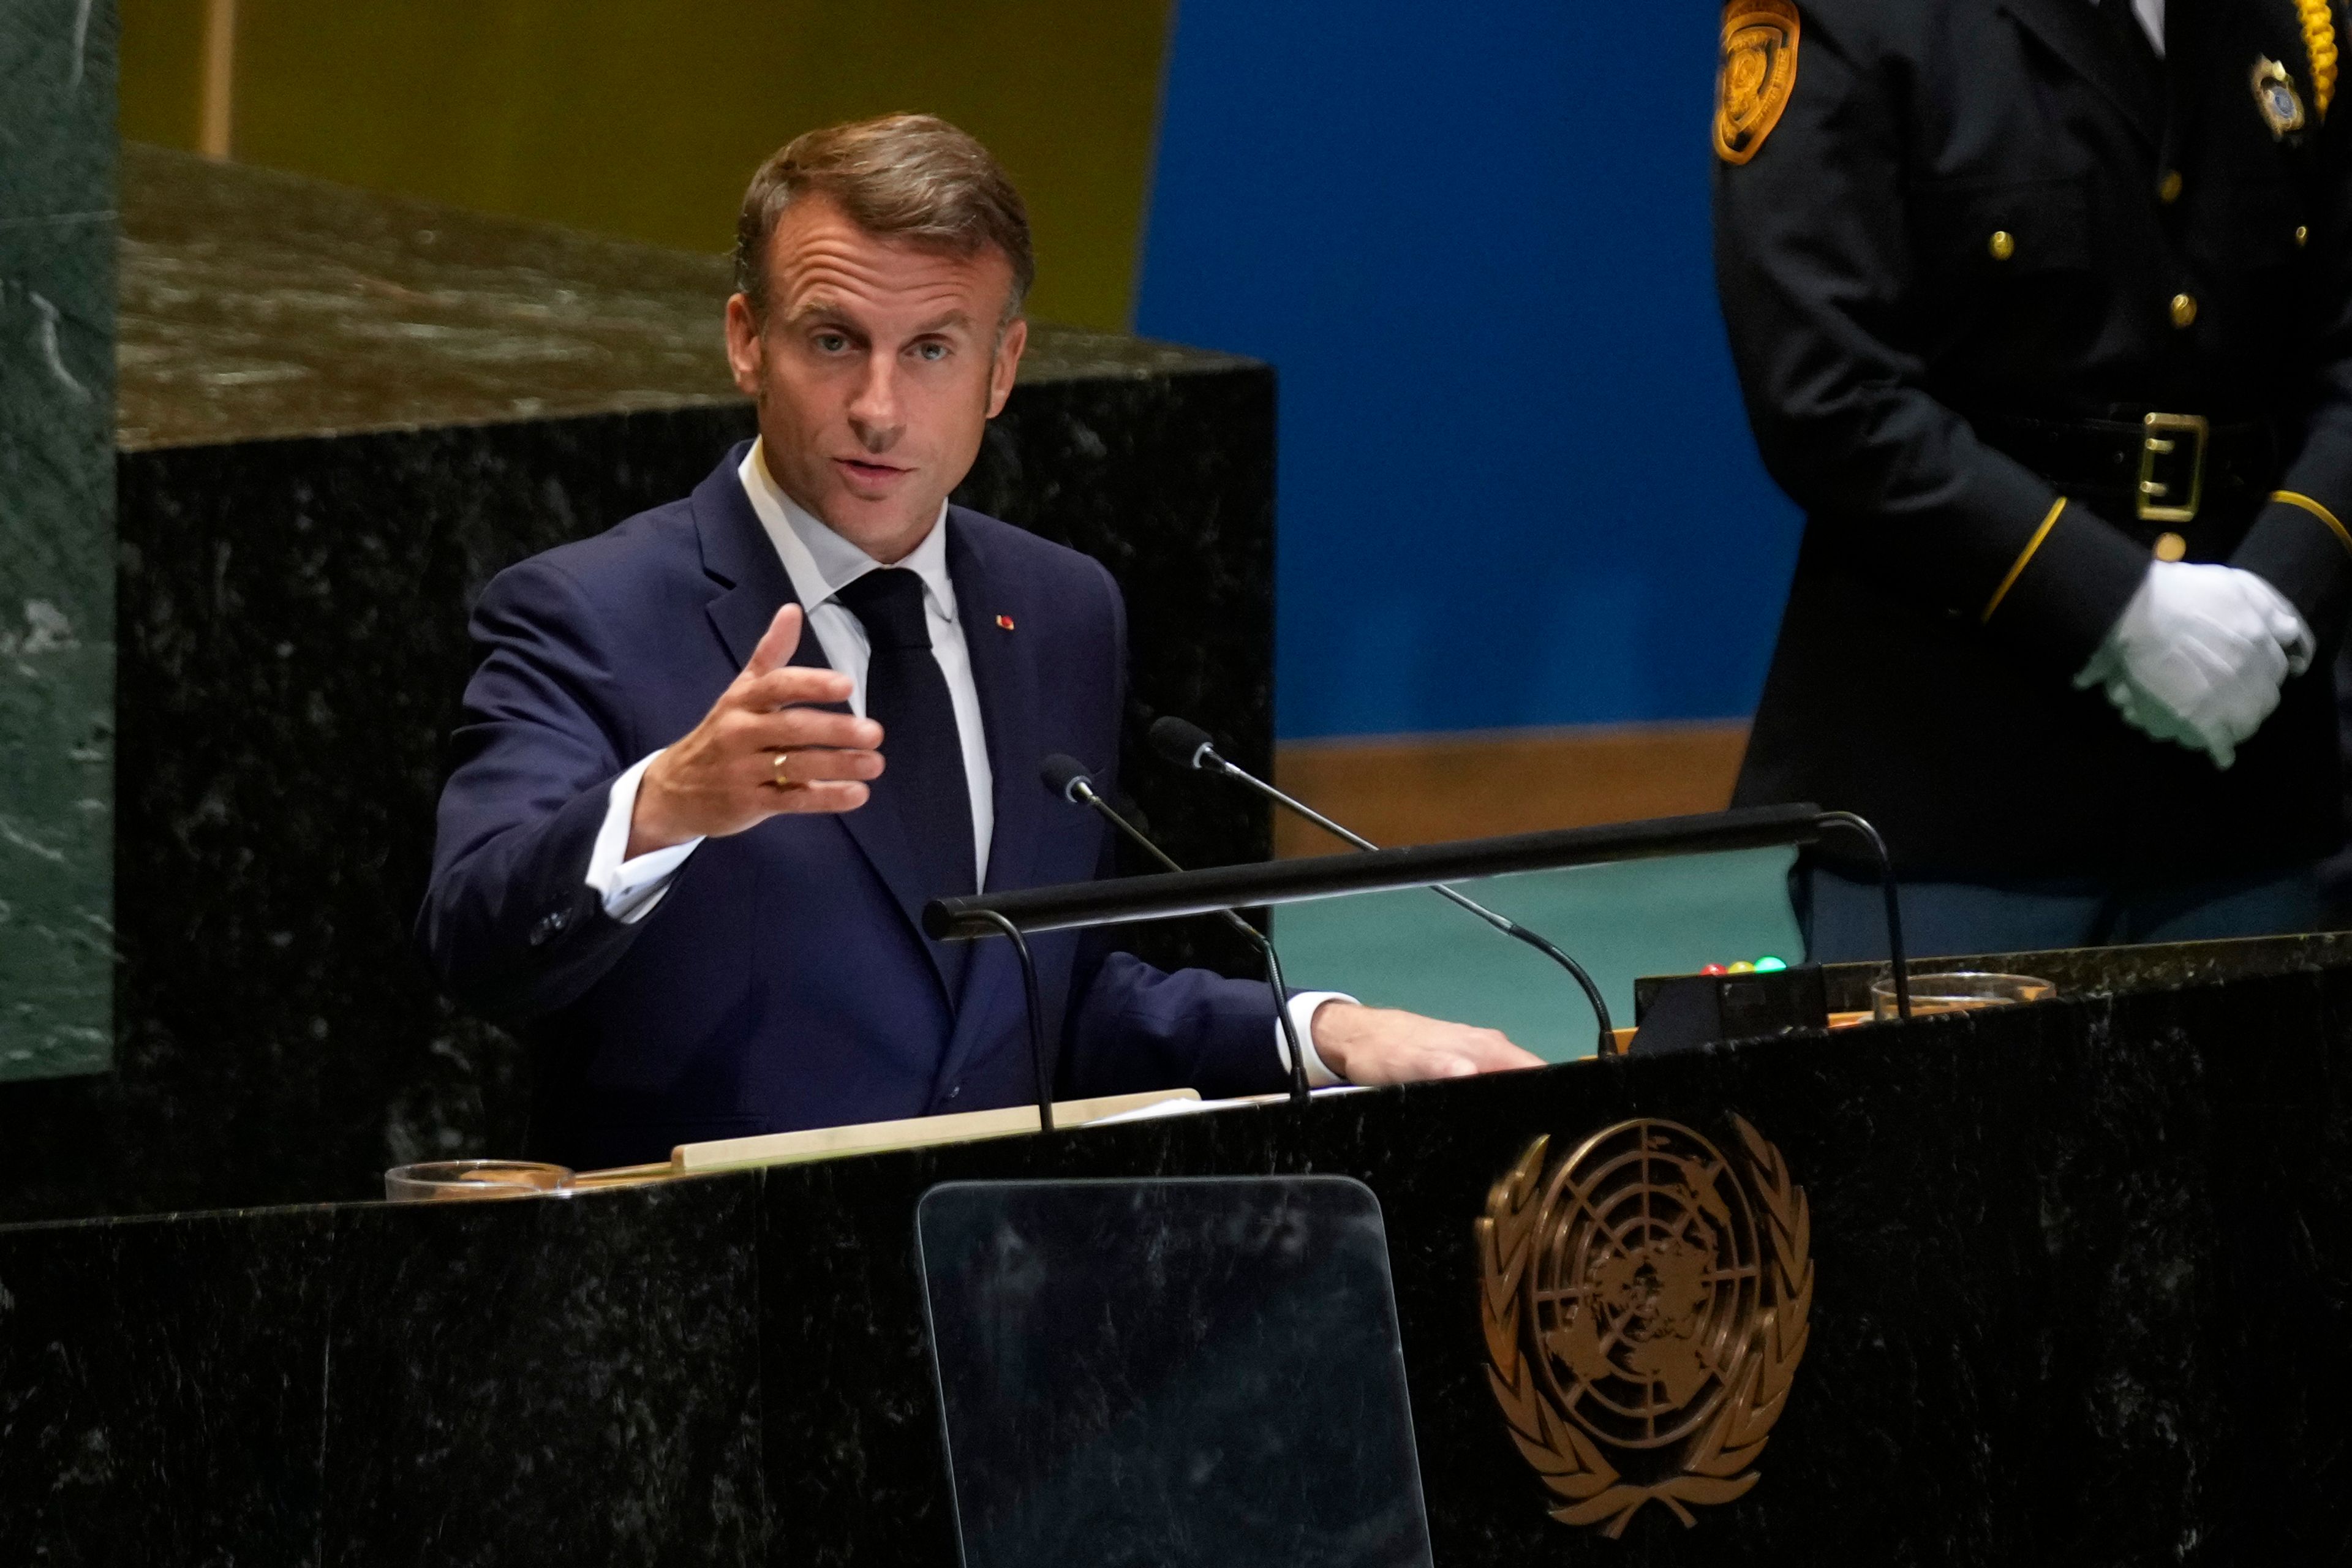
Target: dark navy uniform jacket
{"type": "Point", "coordinates": [784, 981]}
{"type": "Point", "coordinates": [1984, 240]}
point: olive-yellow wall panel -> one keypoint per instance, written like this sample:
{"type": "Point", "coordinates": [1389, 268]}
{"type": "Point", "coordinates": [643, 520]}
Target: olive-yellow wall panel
{"type": "Point", "coordinates": [159, 92]}
{"type": "Point", "coordinates": [648, 120]}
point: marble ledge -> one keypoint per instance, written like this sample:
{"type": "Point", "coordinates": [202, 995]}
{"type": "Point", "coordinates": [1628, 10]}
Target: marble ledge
{"type": "Point", "coordinates": [258, 305]}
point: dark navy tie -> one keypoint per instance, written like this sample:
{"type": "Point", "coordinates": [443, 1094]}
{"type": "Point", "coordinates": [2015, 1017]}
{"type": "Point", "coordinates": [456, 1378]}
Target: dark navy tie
{"type": "Point", "coordinates": [922, 778]}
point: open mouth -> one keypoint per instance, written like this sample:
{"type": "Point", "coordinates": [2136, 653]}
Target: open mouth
{"type": "Point", "coordinates": [872, 473]}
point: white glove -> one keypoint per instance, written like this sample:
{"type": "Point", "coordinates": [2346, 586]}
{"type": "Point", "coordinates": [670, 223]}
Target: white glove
{"type": "Point", "coordinates": [2197, 655]}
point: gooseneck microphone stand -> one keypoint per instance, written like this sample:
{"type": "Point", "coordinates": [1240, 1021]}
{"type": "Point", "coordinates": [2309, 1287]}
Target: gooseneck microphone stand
{"type": "Point", "coordinates": [1887, 886]}
{"type": "Point", "coordinates": [1189, 746]}
{"type": "Point", "coordinates": [1041, 1057]}
{"type": "Point", "coordinates": [1066, 776]}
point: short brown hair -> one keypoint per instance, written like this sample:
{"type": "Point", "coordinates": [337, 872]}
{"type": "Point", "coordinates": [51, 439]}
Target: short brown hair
{"type": "Point", "coordinates": [911, 177]}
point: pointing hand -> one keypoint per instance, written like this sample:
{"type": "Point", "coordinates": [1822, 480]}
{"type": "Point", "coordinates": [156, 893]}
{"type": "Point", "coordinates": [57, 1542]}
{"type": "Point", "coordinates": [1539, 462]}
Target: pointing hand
{"type": "Point", "coordinates": [759, 753]}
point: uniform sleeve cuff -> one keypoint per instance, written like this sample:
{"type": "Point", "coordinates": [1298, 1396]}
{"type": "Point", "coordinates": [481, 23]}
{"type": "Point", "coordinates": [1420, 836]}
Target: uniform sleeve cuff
{"type": "Point", "coordinates": [2068, 586]}
{"type": "Point", "coordinates": [630, 888]}
{"type": "Point", "coordinates": [2301, 546]}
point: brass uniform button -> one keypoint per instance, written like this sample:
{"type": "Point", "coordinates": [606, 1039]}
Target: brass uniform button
{"type": "Point", "coordinates": [2184, 310]}
{"type": "Point", "coordinates": [2302, 234]}
{"type": "Point", "coordinates": [2170, 547]}
{"type": "Point", "coordinates": [2169, 192]}
{"type": "Point", "coordinates": [2001, 245]}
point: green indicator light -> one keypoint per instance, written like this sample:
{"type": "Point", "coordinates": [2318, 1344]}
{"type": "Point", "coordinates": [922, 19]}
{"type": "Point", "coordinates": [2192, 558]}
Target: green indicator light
{"type": "Point", "coordinates": [1767, 964]}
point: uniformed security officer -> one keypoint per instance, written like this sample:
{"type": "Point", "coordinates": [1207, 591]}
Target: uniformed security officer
{"type": "Point", "coordinates": [2042, 310]}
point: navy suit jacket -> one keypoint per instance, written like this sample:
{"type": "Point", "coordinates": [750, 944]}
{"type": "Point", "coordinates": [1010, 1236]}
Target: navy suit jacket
{"type": "Point", "coordinates": [784, 981]}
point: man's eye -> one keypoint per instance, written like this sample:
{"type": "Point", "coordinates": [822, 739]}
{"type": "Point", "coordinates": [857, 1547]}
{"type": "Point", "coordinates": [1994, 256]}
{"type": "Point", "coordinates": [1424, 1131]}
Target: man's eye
{"type": "Point", "coordinates": [831, 342]}
{"type": "Point", "coordinates": [931, 350]}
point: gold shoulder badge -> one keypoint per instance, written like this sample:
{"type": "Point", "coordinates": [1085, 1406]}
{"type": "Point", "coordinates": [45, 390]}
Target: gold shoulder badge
{"type": "Point", "coordinates": [2274, 95]}
{"type": "Point", "coordinates": [1760, 69]}
{"type": "Point", "coordinates": [1645, 1305]}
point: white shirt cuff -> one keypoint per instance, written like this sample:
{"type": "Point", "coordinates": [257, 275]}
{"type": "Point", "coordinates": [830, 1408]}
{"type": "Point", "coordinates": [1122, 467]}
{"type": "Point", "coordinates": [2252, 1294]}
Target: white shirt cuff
{"type": "Point", "coordinates": [1302, 1018]}
{"type": "Point", "coordinates": [630, 888]}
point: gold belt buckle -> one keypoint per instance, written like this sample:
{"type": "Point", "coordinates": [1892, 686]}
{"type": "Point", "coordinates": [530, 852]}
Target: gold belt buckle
{"type": "Point", "coordinates": [2160, 438]}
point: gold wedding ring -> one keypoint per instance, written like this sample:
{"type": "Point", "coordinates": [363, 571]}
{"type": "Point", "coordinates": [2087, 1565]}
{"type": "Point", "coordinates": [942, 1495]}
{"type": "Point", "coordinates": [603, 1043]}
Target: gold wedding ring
{"type": "Point", "coordinates": [781, 781]}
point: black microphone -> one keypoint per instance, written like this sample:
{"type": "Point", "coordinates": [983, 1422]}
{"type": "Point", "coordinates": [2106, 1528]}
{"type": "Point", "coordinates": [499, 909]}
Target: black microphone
{"type": "Point", "coordinates": [1189, 746]}
{"type": "Point", "coordinates": [1066, 776]}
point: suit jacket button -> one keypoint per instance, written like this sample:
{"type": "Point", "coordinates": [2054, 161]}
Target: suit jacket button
{"type": "Point", "coordinates": [2170, 547]}
{"type": "Point", "coordinates": [2184, 310]}
{"type": "Point", "coordinates": [2003, 244]}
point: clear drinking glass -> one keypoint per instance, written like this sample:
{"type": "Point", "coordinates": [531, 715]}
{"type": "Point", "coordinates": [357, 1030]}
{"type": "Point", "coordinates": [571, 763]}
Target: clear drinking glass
{"type": "Point", "coordinates": [1961, 991]}
{"type": "Point", "coordinates": [437, 1180]}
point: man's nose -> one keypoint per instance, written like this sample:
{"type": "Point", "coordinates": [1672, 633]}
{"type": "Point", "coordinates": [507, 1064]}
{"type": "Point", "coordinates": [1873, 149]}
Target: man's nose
{"type": "Point", "coordinates": [873, 412]}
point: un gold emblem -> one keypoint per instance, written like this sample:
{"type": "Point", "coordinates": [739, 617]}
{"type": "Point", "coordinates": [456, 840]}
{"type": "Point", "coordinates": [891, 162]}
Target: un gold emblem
{"type": "Point", "coordinates": [1645, 1305]}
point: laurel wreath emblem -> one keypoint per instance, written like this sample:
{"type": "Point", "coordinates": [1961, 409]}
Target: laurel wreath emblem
{"type": "Point", "coordinates": [1716, 1465]}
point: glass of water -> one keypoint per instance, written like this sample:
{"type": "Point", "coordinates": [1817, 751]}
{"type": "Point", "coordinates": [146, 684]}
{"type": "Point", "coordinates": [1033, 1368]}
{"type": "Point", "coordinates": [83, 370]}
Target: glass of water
{"type": "Point", "coordinates": [437, 1180]}
{"type": "Point", "coordinates": [1961, 991]}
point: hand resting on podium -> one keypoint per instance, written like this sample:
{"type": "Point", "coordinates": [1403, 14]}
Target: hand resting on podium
{"type": "Point", "coordinates": [1386, 1044]}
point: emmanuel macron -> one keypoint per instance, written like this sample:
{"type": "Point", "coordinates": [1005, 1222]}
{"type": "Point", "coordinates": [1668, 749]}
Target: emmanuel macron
{"type": "Point", "coordinates": [715, 760]}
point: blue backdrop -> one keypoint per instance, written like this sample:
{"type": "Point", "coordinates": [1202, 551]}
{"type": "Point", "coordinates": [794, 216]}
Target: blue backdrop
{"type": "Point", "coordinates": [1517, 487]}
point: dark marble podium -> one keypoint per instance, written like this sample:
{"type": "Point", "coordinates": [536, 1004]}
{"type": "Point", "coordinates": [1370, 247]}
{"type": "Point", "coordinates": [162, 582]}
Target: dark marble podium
{"type": "Point", "coordinates": [2084, 1294]}
{"type": "Point", "coordinates": [339, 415]}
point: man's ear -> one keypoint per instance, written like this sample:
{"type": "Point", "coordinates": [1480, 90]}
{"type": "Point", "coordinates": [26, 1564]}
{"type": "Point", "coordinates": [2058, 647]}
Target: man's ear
{"type": "Point", "coordinates": [746, 356]}
{"type": "Point", "coordinates": [1008, 360]}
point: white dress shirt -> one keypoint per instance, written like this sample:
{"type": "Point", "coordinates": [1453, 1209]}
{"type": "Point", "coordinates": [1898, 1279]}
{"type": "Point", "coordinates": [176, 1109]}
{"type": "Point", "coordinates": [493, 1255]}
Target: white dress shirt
{"type": "Point", "coordinates": [820, 563]}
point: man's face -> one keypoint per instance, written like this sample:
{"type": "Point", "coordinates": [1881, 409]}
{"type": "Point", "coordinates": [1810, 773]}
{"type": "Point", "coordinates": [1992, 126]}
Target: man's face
{"type": "Point", "coordinates": [876, 368]}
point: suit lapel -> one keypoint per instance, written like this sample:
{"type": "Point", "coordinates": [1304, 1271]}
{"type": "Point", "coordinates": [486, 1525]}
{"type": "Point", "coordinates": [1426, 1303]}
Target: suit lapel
{"type": "Point", "coordinates": [1006, 673]}
{"type": "Point", "coordinates": [2075, 33]}
{"type": "Point", "coordinates": [736, 551]}
{"type": "Point", "coordinates": [737, 554]}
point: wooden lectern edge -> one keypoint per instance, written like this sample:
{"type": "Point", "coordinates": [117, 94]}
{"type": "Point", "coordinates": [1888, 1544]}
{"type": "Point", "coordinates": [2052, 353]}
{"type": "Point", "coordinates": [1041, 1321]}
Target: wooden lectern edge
{"type": "Point", "coordinates": [621, 1175]}
{"type": "Point", "coordinates": [870, 1138]}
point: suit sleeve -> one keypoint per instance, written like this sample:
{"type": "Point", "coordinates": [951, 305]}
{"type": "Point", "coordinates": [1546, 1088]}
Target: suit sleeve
{"type": "Point", "coordinates": [509, 923]}
{"type": "Point", "coordinates": [1131, 1026]}
{"type": "Point", "coordinates": [2299, 541]}
{"type": "Point", "coordinates": [1815, 268]}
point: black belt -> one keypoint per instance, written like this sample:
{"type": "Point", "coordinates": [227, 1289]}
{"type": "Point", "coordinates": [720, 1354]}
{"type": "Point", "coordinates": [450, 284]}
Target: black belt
{"type": "Point", "coordinates": [2158, 470]}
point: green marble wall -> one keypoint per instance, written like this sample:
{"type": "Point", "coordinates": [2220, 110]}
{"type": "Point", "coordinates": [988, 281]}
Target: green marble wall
{"type": "Point", "coordinates": [57, 150]}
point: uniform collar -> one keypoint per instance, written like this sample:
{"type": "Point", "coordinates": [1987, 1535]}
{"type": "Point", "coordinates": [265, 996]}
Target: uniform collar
{"type": "Point", "coordinates": [820, 562]}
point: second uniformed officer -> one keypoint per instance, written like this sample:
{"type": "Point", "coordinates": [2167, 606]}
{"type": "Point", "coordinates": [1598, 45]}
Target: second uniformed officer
{"type": "Point", "coordinates": [2042, 310]}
